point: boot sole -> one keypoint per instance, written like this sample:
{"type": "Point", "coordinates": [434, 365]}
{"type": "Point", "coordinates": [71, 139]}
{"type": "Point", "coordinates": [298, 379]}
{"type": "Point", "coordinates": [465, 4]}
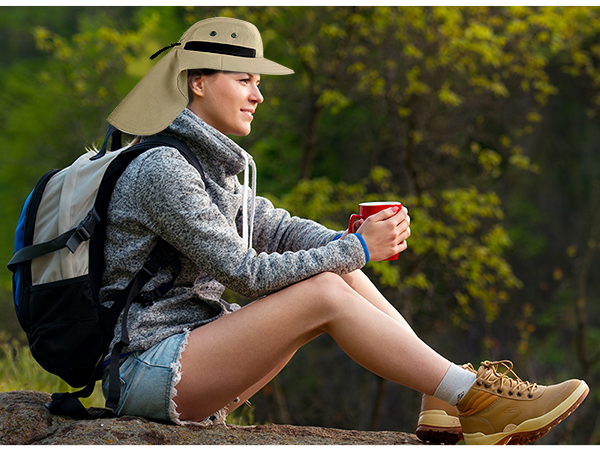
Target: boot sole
{"type": "Point", "coordinates": [435, 435]}
{"type": "Point", "coordinates": [437, 427]}
{"type": "Point", "coordinates": [532, 429]}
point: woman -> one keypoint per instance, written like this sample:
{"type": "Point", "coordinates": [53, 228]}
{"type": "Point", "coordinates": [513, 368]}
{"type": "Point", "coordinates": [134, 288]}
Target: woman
{"type": "Point", "coordinates": [192, 356]}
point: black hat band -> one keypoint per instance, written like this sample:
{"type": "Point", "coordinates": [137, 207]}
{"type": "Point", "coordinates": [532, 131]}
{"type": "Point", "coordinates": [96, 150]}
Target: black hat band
{"type": "Point", "coordinates": [223, 49]}
{"type": "Point", "coordinates": [212, 47]}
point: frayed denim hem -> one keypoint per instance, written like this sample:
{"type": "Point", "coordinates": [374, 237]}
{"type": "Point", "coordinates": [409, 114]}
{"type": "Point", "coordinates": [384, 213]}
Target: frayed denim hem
{"type": "Point", "coordinates": [219, 417]}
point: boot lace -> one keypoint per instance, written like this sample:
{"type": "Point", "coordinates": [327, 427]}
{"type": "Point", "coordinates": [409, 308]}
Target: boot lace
{"type": "Point", "coordinates": [505, 379]}
{"type": "Point", "coordinates": [469, 367]}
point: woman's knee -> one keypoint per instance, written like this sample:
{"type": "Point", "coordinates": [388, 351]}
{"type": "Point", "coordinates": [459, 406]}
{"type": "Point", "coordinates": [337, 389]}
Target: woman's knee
{"type": "Point", "coordinates": [328, 290]}
{"type": "Point", "coordinates": [327, 282]}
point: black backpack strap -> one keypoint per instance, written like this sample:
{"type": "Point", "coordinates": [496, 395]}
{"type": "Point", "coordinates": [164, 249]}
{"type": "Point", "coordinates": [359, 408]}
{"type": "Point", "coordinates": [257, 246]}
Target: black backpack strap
{"type": "Point", "coordinates": [163, 255]}
{"type": "Point", "coordinates": [161, 140]}
{"type": "Point", "coordinates": [68, 404]}
{"type": "Point", "coordinates": [116, 135]}
{"type": "Point", "coordinates": [70, 239]}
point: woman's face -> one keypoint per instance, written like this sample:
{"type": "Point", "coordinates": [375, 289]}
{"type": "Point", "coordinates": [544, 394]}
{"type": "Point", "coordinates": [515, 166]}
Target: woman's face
{"type": "Point", "coordinates": [226, 100]}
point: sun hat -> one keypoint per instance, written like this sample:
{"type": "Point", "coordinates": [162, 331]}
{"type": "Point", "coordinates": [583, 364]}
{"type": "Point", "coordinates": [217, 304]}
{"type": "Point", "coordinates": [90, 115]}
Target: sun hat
{"type": "Point", "coordinates": [219, 43]}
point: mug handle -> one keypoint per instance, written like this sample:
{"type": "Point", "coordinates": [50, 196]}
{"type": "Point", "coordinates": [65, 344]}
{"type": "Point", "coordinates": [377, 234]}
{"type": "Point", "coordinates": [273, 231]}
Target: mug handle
{"type": "Point", "coordinates": [353, 218]}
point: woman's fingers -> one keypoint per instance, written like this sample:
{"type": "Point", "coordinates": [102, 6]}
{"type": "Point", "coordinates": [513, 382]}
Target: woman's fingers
{"type": "Point", "coordinates": [385, 233]}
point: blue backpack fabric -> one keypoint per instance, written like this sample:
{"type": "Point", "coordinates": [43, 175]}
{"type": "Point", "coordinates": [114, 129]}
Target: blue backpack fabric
{"type": "Point", "coordinates": [57, 272]}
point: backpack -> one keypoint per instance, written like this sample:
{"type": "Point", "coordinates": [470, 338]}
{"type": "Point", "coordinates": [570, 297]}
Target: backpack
{"type": "Point", "coordinates": [57, 272]}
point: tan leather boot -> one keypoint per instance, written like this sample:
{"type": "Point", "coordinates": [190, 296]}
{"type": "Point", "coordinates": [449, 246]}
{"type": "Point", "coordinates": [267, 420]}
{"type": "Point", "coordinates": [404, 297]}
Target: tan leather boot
{"type": "Point", "coordinates": [500, 408]}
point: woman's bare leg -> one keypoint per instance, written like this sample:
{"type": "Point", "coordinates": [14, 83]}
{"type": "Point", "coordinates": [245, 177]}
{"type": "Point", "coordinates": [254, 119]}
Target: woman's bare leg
{"type": "Point", "coordinates": [248, 393]}
{"type": "Point", "coordinates": [239, 351]}
{"type": "Point", "coordinates": [358, 281]}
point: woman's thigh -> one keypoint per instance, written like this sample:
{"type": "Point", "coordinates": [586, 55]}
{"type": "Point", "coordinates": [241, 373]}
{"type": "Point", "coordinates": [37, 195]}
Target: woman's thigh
{"type": "Point", "coordinates": [238, 352]}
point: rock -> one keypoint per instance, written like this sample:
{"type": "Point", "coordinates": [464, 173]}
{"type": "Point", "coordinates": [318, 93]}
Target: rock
{"type": "Point", "coordinates": [25, 420]}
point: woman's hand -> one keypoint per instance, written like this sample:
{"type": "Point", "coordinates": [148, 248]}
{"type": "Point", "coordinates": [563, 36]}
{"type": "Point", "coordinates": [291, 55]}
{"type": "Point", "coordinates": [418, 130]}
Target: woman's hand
{"type": "Point", "coordinates": [355, 226]}
{"type": "Point", "coordinates": [385, 233]}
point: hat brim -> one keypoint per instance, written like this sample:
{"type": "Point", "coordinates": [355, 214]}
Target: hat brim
{"type": "Point", "coordinates": [162, 94]}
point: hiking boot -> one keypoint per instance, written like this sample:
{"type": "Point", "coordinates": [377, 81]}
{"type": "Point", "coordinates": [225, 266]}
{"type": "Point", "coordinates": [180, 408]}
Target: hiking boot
{"type": "Point", "coordinates": [500, 408]}
{"type": "Point", "coordinates": [438, 422]}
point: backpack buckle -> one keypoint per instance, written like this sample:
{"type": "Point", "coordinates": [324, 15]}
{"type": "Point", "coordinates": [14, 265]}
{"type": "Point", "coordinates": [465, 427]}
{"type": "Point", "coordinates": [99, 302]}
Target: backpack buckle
{"type": "Point", "coordinates": [84, 230]}
{"type": "Point", "coordinates": [152, 266]}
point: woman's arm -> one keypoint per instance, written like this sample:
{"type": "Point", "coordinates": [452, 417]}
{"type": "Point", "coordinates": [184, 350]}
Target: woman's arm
{"type": "Point", "coordinates": [178, 208]}
{"type": "Point", "coordinates": [276, 231]}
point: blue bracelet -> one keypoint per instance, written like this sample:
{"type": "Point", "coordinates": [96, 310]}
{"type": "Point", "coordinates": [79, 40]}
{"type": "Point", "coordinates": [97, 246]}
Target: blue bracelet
{"type": "Point", "coordinates": [364, 244]}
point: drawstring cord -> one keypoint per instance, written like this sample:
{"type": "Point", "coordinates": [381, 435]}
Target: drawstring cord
{"type": "Point", "coordinates": [248, 223]}
{"type": "Point", "coordinates": [165, 48]}
{"type": "Point", "coordinates": [253, 209]}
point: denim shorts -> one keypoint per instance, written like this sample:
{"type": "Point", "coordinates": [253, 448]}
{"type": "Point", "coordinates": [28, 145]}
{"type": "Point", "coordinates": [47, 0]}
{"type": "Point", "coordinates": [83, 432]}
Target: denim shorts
{"type": "Point", "coordinates": [148, 383]}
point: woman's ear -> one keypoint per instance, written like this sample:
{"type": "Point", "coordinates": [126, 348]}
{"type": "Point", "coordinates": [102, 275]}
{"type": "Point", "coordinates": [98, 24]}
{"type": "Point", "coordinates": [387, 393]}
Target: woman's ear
{"type": "Point", "coordinates": [196, 86]}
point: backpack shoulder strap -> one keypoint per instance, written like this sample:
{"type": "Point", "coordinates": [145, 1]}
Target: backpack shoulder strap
{"type": "Point", "coordinates": [106, 187]}
{"type": "Point", "coordinates": [171, 141]}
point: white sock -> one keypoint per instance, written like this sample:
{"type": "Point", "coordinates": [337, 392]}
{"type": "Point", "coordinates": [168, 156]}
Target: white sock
{"type": "Point", "coordinates": [455, 384]}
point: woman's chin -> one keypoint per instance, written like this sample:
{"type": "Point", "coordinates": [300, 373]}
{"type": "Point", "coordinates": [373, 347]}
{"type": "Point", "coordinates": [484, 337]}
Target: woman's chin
{"type": "Point", "coordinates": [241, 132]}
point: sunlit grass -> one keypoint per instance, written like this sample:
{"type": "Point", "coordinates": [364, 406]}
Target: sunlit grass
{"type": "Point", "coordinates": [20, 372]}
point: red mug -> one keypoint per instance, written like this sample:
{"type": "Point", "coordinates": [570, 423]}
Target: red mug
{"type": "Point", "coordinates": [368, 209]}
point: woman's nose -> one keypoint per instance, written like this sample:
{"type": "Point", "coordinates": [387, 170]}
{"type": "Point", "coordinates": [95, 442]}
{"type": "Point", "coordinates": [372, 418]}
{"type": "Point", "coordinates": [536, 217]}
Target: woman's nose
{"type": "Point", "coordinates": [256, 95]}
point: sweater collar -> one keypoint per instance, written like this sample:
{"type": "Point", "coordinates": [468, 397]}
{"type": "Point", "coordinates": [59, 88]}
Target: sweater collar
{"type": "Point", "coordinates": [212, 146]}
{"type": "Point", "coordinates": [223, 155]}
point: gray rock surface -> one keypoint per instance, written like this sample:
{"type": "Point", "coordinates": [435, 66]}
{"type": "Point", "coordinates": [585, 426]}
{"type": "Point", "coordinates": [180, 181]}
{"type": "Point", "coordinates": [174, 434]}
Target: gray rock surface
{"type": "Point", "coordinates": [25, 420]}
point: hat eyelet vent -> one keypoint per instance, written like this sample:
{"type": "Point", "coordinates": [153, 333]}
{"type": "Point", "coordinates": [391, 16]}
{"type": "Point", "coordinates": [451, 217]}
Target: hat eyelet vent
{"type": "Point", "coordinates": [234, 35]}
{"type": "Point", "coordinates": [213, 33]}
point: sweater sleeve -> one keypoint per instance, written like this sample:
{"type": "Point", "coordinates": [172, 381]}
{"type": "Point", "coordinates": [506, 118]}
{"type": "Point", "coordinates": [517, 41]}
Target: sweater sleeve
{"type": "Point", "coordinates": [276, 231]}
{"type": "Point", "coordinates": [178, 208]}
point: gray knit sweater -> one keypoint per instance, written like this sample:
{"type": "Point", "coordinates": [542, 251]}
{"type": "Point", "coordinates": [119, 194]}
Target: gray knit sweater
{"type": "Point", "coordinates": [160, 194]}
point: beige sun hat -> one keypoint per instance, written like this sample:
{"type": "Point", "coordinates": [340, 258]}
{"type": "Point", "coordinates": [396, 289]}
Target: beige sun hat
{"type": "Point", "coordinates": [220, 43]}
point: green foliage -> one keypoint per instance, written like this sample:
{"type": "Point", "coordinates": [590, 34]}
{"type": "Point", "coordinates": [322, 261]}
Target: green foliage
{"type": "Point", "coordinates": [457, 236]}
